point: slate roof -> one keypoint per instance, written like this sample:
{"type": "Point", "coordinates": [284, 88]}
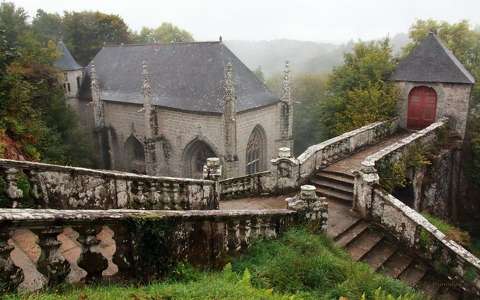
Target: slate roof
{"type": "Point", "coordinates": [66, 62]}
{"type": "Point", "coordinates": [431, 61]}
{"type": "Point", "coordinates": [185, 76]}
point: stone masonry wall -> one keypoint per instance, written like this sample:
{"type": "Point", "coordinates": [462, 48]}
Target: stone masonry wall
{"type": "Point", "coordinates": [37, 185]}
{"type": "Point", "coordinates": [40, 248]}
{"type": "Point", "coordinates": [452, 101]}
{"type": "Point", "coordinates": [181, 128]}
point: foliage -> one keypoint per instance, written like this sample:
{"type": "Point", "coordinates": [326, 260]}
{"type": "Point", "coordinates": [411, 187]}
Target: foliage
{"type": "Point", "coordinates": [33, 110]}
{"type": "Point", "coordinates": [259, 73]}
{"type": "Point", "coordinates": [299, 265]}
{"type": "Point", "coordinates": [358, 92]}
{"type": "Point", "coordinates": [393, 173]}
{"type": "Point", "coordinates": [165, 33]}
{"type": "Point", "coordinates": [451, 232]}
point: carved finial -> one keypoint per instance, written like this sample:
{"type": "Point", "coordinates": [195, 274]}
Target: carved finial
{"type": "Point", "coordinates": [286, 89]}
{"type": "Point", "coordinates": [147, 87]}
{"type": "Point", "coordinates": [229, 86]}
{"type": "Point", "coordinates": [220, 39]}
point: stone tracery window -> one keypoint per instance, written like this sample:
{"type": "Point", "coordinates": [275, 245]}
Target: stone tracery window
{"type": "Point", "coordinates": [256, 151]}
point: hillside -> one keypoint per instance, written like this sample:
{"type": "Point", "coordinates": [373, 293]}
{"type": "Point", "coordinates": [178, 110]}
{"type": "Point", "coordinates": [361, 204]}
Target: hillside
{"type": "Point", "coordinates": [305, 56]}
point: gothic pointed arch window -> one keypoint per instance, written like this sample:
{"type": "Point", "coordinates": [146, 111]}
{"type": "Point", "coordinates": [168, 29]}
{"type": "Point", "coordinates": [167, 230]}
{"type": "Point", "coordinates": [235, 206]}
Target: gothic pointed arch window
{"type": "Point", "coordinates": [256, 151]}
{"type": "Point", "coordinates": [135, 155]}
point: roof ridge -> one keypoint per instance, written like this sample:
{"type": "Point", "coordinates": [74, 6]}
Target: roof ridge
{"type": "Point", "coordinates": [159, 44]}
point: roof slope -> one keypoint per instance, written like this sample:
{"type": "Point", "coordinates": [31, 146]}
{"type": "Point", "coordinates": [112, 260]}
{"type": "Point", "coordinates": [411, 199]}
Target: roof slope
{"type": "Point", "coordinates": [186, 76]}
{"type": "Point", "coordinates": [431, 61]}
{"type": "Point", "coordinates": [66, 62]}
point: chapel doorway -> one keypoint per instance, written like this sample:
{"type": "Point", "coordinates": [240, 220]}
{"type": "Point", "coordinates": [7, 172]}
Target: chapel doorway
{"type": "Point", "coordinates": [422, 107]}
{"type": "Point", "coordinates": [195, 157]}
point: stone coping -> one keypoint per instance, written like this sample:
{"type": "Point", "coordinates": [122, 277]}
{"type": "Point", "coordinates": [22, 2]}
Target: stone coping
{"type": "Point", "coordinates": [14, 215]}
{"type": "Point", "coordinates": [372, 159]}
{"type": "Point", "coordinates": [421, 221]}
{"type": "Point", "coordinates": [8, 163]}
{"type": "Point", "coordinates": [239, 178]}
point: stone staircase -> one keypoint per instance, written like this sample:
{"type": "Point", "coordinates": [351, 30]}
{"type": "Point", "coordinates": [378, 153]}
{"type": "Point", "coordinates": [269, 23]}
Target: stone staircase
{"type": "Point", "coordinates": [371, 245]}
{"type": "Point", "coordinates": [334, 185]}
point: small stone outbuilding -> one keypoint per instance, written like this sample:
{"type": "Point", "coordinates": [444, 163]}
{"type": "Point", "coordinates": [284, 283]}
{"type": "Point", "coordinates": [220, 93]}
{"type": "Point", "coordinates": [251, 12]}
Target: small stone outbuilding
{"type": "Point", "coordinates": [433, 84]}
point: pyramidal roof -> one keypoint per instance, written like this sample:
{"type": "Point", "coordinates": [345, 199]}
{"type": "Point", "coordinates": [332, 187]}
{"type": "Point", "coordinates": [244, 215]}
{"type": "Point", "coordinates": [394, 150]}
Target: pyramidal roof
{"type": "Point", "coordinates": [66, 62]}
{"type": "Point", "coordinates": [186, 76]}
{"type": "Point", "coordinates": [431, 61]}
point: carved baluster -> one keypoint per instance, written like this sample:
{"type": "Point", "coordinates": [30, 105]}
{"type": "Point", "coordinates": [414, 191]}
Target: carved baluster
{"type": "Point", "coordinates": [177, 199]}
{"type": "Point", "coordinates": [52, 263]}
{"type": "Point", "coordinates": [242, 234]}
{"type": "Point", "coordinates": [71, 250]}
{"type": "Point", "coordinates": [13, 191]}
{"type": "Point", "coordinates": [167, 200]}
{"type": "Point", "coordinates": [232, 240]}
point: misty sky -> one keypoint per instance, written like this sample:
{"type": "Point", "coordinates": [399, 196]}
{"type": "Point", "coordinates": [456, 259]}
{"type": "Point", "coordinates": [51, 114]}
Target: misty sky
{"type": "Point", "coordinates": [320, 20]}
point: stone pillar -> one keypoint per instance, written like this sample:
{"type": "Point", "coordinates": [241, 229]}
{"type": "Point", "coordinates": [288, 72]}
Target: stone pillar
{"type": "Point", "coordinates": [212, 170]}
{"type": "Point", "coordinates": [364, 186]}
{"type": "Point", "coordinates": [285, 171]}
{"type": "Point", "coordinates": [98, 107]}
{"type": "Point", "coordinates": [150, 155]}
{"type": "Point", "coordinates": [101, 135]}
{"type": "Point", "coordinates": [286, 111]}
{"type": "Point", "coordinates": [230, 124]}
{"type": "Point", "coordinates": [310, 208]}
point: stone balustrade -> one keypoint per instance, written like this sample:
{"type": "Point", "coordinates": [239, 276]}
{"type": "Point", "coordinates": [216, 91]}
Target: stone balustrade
{"type": "Point", "coordinates": [323, 154]}
{"type": "Point", "coordinates": [250, 185]}
{"type": "Point", "coordinates": [417, 233]}
{"type": "Point", "coordinates": [44, 247]}
{"type": "Point", "coordinates": [38, 185]}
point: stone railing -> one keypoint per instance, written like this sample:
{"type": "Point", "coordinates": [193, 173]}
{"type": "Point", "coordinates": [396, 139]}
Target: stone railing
{"type": "Point", "coordinates": [40, 248]}
{"type": "Point", "coordinates": [417, 233]}
{"type": "Point", "coordinates": [255, 184]}
{"type": "Point", "coordinates": [288, 173]}
{"type": "Point", "coordinates": [407, 225]}
{"type": "Point", "coordinates": [368, 175]}
{"type": "Point", "coordinates": [37, 185]}
{"type": "Point", "coordinates": [323, 154]}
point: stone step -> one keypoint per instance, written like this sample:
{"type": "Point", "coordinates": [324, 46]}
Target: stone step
{"type": "Point", "coordinates": [379, 254]}
{"type": "Point", "coordinates": [329, 193]}
{"type": "Point", "coordinates": [339, 177]}
{"type": "Point", "coordinates": [396, 264]}
{"type": "Point", "coordinates": [335, 229]}
{"type": "Point", "coordinates": [326, 183]}
{"type": "Point", "coordinates": [351, 233]}
{"type": "Point", "coordinates": [430, 285]}
{"type": "Point", "coordinates": [448, 294]}
{"type": "Point", "coordinates": [413, 274]}
{"type": "Point", "coordinates": [363, 244]}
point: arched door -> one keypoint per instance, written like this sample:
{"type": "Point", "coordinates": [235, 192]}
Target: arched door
{"type": "Point", "coordinates": [135, 155]}
{"type": "Point", "coordinates": [195, 157]}
{"type": "Point", "coordinates": [422, 107]}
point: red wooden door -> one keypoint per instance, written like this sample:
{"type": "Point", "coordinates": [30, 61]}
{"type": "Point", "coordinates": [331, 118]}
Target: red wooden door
{"type": "Point", "coordinates": [422, 107]}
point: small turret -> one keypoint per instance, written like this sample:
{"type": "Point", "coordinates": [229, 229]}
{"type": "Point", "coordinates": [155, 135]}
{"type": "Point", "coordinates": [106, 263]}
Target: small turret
{"type": "Point", "coordinates": [72, 73]}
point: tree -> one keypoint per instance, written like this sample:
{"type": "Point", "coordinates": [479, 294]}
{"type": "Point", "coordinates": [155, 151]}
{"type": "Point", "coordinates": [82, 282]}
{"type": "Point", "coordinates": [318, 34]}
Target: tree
{"type": "Point", "coordinates": [165, 33]}
{"type": "Point", "coordinates": [48, 26]}
{"type": "Point", "coordinates": [358, 92]}
{"type": "Point", "coordinates": [85, 33]}
{"type": "Point", "coordinates": [308, 94]}
{"type": "Point", "coordinates": [259, 73]}
{"type": "Point", "coordinates": [33, 111]}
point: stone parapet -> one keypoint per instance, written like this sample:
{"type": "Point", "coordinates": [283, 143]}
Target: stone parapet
{"type": "Point", "coordinates": [40, 248]}
{"type": "Point", "coordinates": [38, 185]}
{"type": "Point", "coordinates": [323, 154]}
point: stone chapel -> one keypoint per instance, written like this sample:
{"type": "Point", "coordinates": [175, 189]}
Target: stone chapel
{"type": "Point", "coordinates": [163, 109]}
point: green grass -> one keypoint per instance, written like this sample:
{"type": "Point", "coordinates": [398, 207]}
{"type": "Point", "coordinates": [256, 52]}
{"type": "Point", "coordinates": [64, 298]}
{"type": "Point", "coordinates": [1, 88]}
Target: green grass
{"type": "Point", "coordinates": [299, 265]}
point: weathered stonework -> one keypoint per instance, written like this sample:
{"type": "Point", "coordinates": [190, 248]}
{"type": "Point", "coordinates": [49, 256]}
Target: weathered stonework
{"type": "Point", "coordinates": [121, 244]}
{"type": "Point", "coordinates": [453, 101]}
{"type": "Point", "coordinates": [310, 208]}
{"type": "Point", "coordinates": [58, 187]}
